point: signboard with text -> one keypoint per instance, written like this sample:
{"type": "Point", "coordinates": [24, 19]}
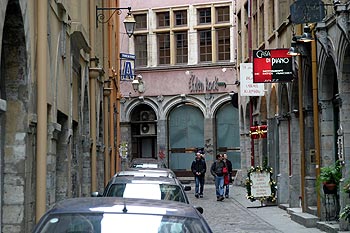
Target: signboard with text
{"type": "Point", "coordinates": [272, 66]}
{"type": "Point", "coordinates": [247, 87]}
{"type": "Point", "coordinates": [260, 184]}
{"type": "Point", "coordinates": [307, 11]}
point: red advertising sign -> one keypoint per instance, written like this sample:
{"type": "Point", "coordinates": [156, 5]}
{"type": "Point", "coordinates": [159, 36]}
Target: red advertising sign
{"type": "Point", "coordinates": [271, 66]}
{"type": "Point", "coordinates": [257, 132]}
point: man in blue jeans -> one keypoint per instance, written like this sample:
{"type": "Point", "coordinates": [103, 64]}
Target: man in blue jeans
{"type": "Point", "coordinates": [199, 168]}
{"type": "Point", "coordinates": [217, 171]}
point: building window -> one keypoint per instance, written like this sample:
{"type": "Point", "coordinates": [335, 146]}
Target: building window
{"type": "Point", "coordinates": [223, 14]}
{"type": "Point", "coordinates": [181, 47]}
{"type": "Point", "coordinates": [205, 48]}
{"type": "Point", "coordinates": [163, 19]}
{"type": "Point", "coordinates": [140, 50]}
{"type": "Point", "coordinates": [163, 49]}
{"type": "Point", "coordinates": [180, 18]}
{"type": "Point", "coordinates": [204, 15]}
{"type": "Point", "coordinates": [271, 17]}
{"type": "Point", "coordinates": [141, 22]}
{"type": "Point", "coordinates": [261, 25]}
{"type": "Point", "coordinates": [223, 40]}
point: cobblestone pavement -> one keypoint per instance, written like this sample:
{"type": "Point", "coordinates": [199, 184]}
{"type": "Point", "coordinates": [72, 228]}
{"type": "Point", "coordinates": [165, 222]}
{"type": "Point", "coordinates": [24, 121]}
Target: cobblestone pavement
{"type": "Point", "coordinates": [237, 214]}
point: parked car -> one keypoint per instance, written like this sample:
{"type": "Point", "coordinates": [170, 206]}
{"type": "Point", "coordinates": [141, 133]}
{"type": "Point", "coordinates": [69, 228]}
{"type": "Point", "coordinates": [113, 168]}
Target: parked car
{"type": "Point", "coordinates": [149, 172]}
{"type": "Point", "coordinates": [113, 214]}
{"type": "Point", "coordinates": [147, 163]}
{"type": "Point", "coordinates": [162, 188]}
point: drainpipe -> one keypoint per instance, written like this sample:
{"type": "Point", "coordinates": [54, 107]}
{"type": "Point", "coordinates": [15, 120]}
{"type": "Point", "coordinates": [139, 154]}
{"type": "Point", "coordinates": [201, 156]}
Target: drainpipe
{"type": "Point", "coordinates": [106, 96]}
{"type": "Point", "coordinates": [250, 52]}
{"type": "Point", "coordinates": [41, 153]}
{"type": "Point", "coordinates": [118, 94]}
{"type": "Point", "coordinates": [301, 128]}
{"type": "Point", "coordinates": [315, 111]}
{"type": "Point", "coordinates": [93, 74]}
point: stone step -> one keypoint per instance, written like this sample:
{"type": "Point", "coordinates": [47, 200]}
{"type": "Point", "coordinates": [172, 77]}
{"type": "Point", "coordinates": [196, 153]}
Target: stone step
{"type": "Point", "coordinates": [329, 226]}
{"type": "Point", "coordinates": [305, 219]}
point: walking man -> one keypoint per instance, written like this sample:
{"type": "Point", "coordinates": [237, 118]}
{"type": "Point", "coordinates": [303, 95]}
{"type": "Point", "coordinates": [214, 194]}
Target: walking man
{"type": "Point", "coordinates": [199, 168]}
{"type": "Point", "coordinates": [216, 170]}
{"type": "Point", "coordinates": [229, 170]}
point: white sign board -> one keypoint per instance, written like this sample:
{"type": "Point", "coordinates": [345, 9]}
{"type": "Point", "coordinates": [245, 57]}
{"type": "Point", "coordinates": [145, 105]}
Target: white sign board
{"type": "Point", "coordinates": [247, 86]}
{"type": "Point", "coordinates": [260, 184]}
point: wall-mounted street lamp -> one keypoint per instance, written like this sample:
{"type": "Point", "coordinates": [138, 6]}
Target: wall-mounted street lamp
{"type": "Point", "coordinates": [293, 50]}
{"type": "Point", "coordinates": [306, 36]}
{"type": "Point", "coordinates": [129, 21]}
{"type": "Point", "coordinates": [138, 84]}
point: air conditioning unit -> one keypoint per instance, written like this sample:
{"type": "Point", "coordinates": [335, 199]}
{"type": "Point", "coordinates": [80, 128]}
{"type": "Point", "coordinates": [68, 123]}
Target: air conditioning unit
{"type": "Point", "coordinates": [145, 116]}
{"type": "Point", "coordinates": [147, 129]}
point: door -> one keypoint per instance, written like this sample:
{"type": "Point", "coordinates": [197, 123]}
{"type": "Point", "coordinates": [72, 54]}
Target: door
{"type": "Point", "coordinates": [186, 133]}
{"type": "Point", "coordinates": [227, 134]}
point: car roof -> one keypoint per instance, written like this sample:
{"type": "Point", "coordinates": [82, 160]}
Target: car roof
{"type": "Point", "coordinates": [151, 172]}
{"type": "Point", "coordinates": [147, 163]}
{"type": "Point", "coordinates": [144, 179]}
{"type": "Point", "coordinates": [131, 205]}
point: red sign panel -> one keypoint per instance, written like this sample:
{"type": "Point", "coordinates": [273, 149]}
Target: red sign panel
{"type": "Point", "coordinates": [257, 132]}
{"type": "Point", "coordinates": [271, 66]}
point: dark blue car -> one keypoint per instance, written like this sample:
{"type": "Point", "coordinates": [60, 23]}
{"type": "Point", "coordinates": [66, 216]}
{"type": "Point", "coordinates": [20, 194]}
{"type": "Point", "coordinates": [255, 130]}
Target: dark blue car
{"type": "Point", "coordinates": [113, 214]}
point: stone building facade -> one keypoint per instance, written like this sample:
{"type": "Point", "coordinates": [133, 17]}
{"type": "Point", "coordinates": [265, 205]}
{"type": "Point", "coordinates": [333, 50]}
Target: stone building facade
{"type": "Point", "coordinates": [57, 92]}
{"type": "Point", "coordinates": [185, 54]}
{"type": "Point", "coordinates": [307, 117]}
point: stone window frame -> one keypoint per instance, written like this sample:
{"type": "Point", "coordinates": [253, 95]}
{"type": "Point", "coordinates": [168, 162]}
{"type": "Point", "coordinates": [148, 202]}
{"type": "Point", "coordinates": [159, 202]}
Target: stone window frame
{"type": "Point", "coordinates": [214, 26]}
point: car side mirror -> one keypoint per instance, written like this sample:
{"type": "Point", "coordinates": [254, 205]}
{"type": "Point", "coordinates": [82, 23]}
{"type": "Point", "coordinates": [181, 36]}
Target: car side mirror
{"type": "Point", "coordinates": [187, 188]}
{"type": "Point", "coordinates": [200, 209]}
{"type": "Point", "coordinates": [96, 194]}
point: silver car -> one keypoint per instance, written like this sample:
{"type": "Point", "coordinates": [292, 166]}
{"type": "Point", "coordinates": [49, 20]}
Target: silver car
{"type": "Point", "coordinates": [162, 188]}
{"type": "Point", "coordinates": [148, 172]}
{"type": "Point", "coordinates": [147, 163]}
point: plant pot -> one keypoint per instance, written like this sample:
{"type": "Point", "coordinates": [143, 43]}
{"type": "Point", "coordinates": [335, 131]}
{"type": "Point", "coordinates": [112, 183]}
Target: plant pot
{"type": "Point", "coordinates": [329, 188]}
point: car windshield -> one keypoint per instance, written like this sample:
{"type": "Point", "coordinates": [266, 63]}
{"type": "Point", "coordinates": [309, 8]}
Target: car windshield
{"type": "Point", "coordinates": [123, 222]}
{"type": "Point", "coordinates": [147, 191]}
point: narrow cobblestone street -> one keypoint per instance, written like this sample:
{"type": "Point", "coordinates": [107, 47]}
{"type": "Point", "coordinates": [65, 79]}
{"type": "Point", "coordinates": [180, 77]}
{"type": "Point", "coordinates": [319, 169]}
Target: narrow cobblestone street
{"type": "Point", "coordinates": [237, 214]}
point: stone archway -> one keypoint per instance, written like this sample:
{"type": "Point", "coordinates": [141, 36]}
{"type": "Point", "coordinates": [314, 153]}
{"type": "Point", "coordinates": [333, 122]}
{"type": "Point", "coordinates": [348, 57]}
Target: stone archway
{"type": "Point", "coordinates": [329, 100]}
{"type": "Point", "coordinates": [143, 132]}
{"type": "Point", "coordinates": [272, 133]}
{"type": "Point", "coordinates": [17, 155]}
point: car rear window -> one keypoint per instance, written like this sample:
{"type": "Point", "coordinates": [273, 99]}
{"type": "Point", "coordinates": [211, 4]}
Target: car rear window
{"type": "Point", "coordinates": [110, 222]}
{"type": "Point", "coordinates": [147, 191]}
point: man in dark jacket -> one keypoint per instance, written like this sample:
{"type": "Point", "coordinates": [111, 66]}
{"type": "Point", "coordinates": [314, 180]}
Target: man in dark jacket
{"type": "Point", "coordinates": [217, 171]}
{"type": "Point", "coordinates": [199, 168]}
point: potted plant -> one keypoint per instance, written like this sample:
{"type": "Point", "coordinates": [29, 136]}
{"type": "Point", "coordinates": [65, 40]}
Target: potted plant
{"type": "Point", "coordinates": [346, 186]}
{"type": "Point", "coordinates": [330, 177]}
{"type": "Point", "coordinates": [345, 213]}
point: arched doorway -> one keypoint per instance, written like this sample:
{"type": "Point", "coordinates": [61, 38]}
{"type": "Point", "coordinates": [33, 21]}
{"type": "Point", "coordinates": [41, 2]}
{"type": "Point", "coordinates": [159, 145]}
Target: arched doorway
{"type": "Point", "coordinates": [143, 132]}
{"type": "Point", "coordinates": [186, 134]}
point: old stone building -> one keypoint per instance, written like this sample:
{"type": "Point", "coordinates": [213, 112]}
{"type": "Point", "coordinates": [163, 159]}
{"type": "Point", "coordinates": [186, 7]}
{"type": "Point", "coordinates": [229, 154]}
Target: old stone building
{"type": "Point", "coordinates": [58, 105]}
{"type": "Point", "coordinates": [306, 117]}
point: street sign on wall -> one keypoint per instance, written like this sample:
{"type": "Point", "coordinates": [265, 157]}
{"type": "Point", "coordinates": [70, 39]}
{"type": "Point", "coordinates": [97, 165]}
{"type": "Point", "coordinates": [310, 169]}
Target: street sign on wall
{"type": "Point", "coordinates": [247, 87]}
{"type": "Point", "coordinates": [272, 66]}
{"type": "Point", "coordinates": [127, 66]}
{"type": "Point", "coordinates": [307, 11]}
